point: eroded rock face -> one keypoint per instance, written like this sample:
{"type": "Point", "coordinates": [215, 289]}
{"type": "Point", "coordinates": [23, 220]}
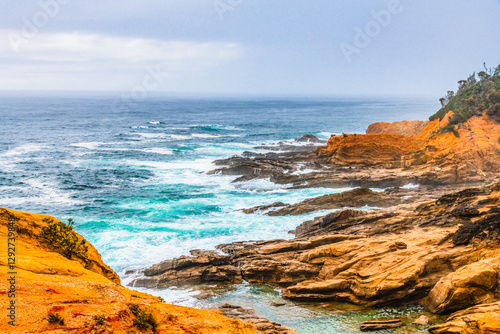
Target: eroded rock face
{"type": "Point", "coordinates": [372, 258]}
{"type": "Point", "coordinates": [473, 284]}
{"type": "Point", "coordinates": [384, 150]}
{"type": "Point", "coordinates": [480, 319]}
{"type": "Point", "coordinates": [466, 157]}
{"type": "Point", "coordinates": [48, 283]}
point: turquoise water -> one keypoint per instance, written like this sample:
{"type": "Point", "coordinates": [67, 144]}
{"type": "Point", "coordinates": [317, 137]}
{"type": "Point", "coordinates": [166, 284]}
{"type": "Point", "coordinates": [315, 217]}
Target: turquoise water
{"type": "Point", "coordinates": [135, 179]}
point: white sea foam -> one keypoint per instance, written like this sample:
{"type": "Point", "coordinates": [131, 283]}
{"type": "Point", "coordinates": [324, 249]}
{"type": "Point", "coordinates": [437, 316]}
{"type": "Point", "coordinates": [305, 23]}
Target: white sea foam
{"type": "Point", "coordinates": [158, 150]}
{"type": "Point", "coordinates": [23, 149]}
{"type": "Point", "coordinates": [44, 193]}
{"type": "Point", "coordinates": [216, 127]}
{"type": "Point", "coordinates": [180, 137]}
{"type": "Point", "coordinates": [303, 171]}
{"type": "Point", "coordinates": [198, 165]}
{"type": "Point", "coordinates": [410, 186]}
{"type": "Point", "coordinates": [154, 123]}
{"type": "Point", "coordinates": [88, 145]}
{"type": "Point", "coordinates": [152, 135]}
{"type": "Point", "coordinates": [325, 135]}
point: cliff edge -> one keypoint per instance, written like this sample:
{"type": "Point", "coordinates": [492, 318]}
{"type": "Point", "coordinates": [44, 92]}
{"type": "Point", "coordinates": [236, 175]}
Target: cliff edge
{"type": "Point", "coordinates": [62, 286]}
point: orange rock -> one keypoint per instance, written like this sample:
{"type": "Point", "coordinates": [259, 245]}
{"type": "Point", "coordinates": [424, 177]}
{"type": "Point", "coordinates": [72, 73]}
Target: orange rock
{"type": "Point", "coordinates": [475, 152]}
{"type": "Point", "coordinates": [367, 150]}
{"type": "Point", "coordinates": [473, 284]}
{"type": "Point", "coordinates": [79, 289]}
{"type": "Point", "coordinates": [404, 128]}
{"type": "Point", "coordinates": [480, 319]}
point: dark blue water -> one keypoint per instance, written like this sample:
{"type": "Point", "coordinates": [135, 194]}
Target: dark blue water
{"type": "Point", "coordinates": [134, 177]}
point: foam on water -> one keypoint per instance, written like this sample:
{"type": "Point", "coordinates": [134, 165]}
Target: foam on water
{"type": "Point", "coordinates": [410, 186]}
{"type": "Point", "coordinates": [88, 145]}
{"type": "Point", "coordinates": [215, 127]}
{"type": "Point", "coordinates": [158, 150]}
{"type": "Point", "coordinates": [22, 150]}
{"type": "Point", "coordinates": [204, 135]}
{"type": "Point", "coordinates": [180, 137]}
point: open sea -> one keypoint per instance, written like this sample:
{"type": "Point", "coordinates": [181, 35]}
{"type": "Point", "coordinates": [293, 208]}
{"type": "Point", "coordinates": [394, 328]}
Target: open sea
{"type": "Point", "coordinates": [134, 177]}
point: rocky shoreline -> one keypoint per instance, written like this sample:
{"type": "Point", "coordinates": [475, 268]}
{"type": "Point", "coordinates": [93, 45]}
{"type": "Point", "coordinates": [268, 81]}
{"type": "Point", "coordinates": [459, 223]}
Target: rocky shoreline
{"type": "Point", "coordinates": [435, 245]}
{"type": "Point", "coordinates": [421, 226]}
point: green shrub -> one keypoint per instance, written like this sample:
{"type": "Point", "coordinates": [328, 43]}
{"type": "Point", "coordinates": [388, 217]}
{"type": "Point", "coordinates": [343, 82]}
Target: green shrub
{"type": "Point", "coordinates": [99, 319]}
{"type": "Point", "coordinates": [450, 128]}
{"type": "Point", "coordinates": [55, 318]}
{"type": "Point", "coordinates": [143, 320]}
{"type": "Point", "coordinates": [63, 238]}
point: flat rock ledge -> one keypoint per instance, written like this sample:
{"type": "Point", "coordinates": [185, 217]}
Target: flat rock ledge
{"type": "Point", "coordinates": [261, 325]}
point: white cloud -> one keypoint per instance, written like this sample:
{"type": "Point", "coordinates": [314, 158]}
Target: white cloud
{"type": "Point", "coordinates": [93, 61]}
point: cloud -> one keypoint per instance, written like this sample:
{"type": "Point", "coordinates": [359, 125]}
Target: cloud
{"type": "Point", "coordinates": [110, 62]}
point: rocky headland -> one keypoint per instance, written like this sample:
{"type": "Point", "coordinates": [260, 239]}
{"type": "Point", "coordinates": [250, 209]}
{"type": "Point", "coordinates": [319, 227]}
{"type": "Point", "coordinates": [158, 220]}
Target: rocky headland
{"type": "Point", "coordinates": [436, 245]}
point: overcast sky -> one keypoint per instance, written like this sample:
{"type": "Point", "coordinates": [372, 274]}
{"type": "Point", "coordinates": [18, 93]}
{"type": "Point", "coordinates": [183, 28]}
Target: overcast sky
{"type": "Point", "coordinates": [247, 47]}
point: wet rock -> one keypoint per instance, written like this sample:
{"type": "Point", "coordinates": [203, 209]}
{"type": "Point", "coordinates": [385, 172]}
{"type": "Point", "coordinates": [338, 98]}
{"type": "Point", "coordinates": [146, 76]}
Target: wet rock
{"type": "Point", "coordinates": [308, 139]}
{"type": "Point", "coordinates": [261, 325]}
{"type": "Point", "coordinates": [422, 320]}
{"type": "Point", "coordinates": [264, 207]}
{"type": "Point", "coordinates": [352, 198]}
{"type": "Point", "coordinates": [376, 325]}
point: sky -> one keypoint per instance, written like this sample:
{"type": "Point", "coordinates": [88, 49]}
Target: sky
{"type": "Point", "coordinates": [247, 47]}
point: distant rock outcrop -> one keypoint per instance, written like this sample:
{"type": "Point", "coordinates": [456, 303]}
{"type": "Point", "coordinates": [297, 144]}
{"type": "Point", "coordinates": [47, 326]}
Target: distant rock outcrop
{"type": "Point", "coordinates": [464, 153]}
{"type": "Point", "coordinates": [403, 128]}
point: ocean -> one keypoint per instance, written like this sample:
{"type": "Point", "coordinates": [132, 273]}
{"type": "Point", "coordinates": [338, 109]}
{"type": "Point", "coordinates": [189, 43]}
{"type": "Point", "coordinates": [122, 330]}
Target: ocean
{"type": "Point", "coordinates": [135, 177]}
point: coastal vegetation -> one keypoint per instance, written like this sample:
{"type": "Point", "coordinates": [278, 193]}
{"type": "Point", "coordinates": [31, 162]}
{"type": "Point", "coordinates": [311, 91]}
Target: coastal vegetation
{"type": "Point", "coordinates": [62, 237]}
{"type": "Point", "coordinates": [475, 95]}
{"type": "Point", "coordinates": [143, 320]}
{"type": "Point", "coordinates": [55, 318]}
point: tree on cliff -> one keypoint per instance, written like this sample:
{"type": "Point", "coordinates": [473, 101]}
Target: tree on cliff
{"type": "Point", "coordinates": [473, 97]}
